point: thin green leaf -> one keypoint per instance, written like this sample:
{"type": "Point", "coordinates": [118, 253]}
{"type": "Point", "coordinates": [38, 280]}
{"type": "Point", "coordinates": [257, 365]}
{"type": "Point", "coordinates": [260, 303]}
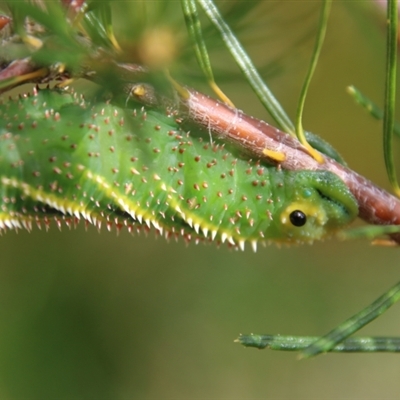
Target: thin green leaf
{"type": "Point", "coordinates": [356, 322]}
{"type": "Point", "coordinates": [99, 16]}
{"type": "Point", "coordinates": [368, 232]}
{"type": "Point", "coordinates": [194, 29]}
{"type": "Point", "coordinates": [365, 102]}
{"type": "Point", "coordinates": [370, 106]}
{"type": "Point", "coordinates": [248, 68]}
{"type": "Point", "coordinates": [338, 339]}
{"type": "Point", "coordinates": [390, 93]}
{"type": "Point", "coordinates": [299, 343]}
{"type": "Point", "coordinates": [313, 64]}
{"type": "Point", "coordinates": [193, 26]}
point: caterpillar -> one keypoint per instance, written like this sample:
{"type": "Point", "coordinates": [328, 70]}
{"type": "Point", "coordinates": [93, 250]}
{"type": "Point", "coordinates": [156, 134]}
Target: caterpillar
{"type": "Point", "coordinates": [66, 158]}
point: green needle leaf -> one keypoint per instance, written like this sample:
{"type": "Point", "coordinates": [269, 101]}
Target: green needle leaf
{"type": "Point", "coordinates": [313, 64]}
{"type": "Point", "coordinates": [299, 343]}
{"type": "Point", "coordinates": [338, 339]}
{"type": "Point", "coordinates": [353, 324]}
{"type": "Point", "coordinates": [390, 93]}
{"type": "Point", "coordinates": [248, 68]}
{"type": "Point", "coordinates": [194, 29]}
{"type": "Point", "coordinates": [371, 108]}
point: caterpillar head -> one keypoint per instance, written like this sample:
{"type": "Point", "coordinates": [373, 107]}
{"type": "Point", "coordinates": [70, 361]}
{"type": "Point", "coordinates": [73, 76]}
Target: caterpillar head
{"type": "Point", "coordinates": [320, 203]}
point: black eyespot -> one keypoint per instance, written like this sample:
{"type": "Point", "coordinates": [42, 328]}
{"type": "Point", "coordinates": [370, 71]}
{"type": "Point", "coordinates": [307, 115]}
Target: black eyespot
{"type": "Point", "coordinates": [298, 218]}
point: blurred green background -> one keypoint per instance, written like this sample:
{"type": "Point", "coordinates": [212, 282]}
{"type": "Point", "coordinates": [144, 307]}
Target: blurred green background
{"type": "Point", "coordinates": [88, 315]}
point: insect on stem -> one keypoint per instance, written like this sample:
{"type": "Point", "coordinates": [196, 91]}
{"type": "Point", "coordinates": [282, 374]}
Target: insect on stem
{"type": "Point", "coordinates": [376, 206]}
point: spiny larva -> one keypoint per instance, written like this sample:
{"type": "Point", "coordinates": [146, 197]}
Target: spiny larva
{"type": "Point", "coordinates": [63, 157]}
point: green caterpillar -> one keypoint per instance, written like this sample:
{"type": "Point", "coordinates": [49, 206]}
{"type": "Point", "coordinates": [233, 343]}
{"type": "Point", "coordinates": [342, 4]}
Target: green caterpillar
{"type": "Point", "coordinates": [62, 157]}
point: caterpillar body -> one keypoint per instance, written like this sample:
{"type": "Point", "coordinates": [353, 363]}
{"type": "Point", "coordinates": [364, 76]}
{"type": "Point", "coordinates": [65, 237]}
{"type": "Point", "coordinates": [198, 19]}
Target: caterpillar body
{"type": "Point", "coordinates": [62, 157]}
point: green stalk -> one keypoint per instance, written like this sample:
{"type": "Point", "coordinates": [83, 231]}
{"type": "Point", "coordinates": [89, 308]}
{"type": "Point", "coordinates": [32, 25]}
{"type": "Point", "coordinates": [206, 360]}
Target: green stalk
{"type": "Point", "coordinates": [323, 23]}
{"type": "Point", "coordinates": [247, 67]}
{"type": "Point", "coordinates": [193, 26]}
{"type": "Point", "coordinates": [356, 322]}
{"type": "Point", "coordinates": [390, 93]}
{"type": "Point", "coordinates": [299, 343]}
{"type": "Point", "coordinates": [338, 339]}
